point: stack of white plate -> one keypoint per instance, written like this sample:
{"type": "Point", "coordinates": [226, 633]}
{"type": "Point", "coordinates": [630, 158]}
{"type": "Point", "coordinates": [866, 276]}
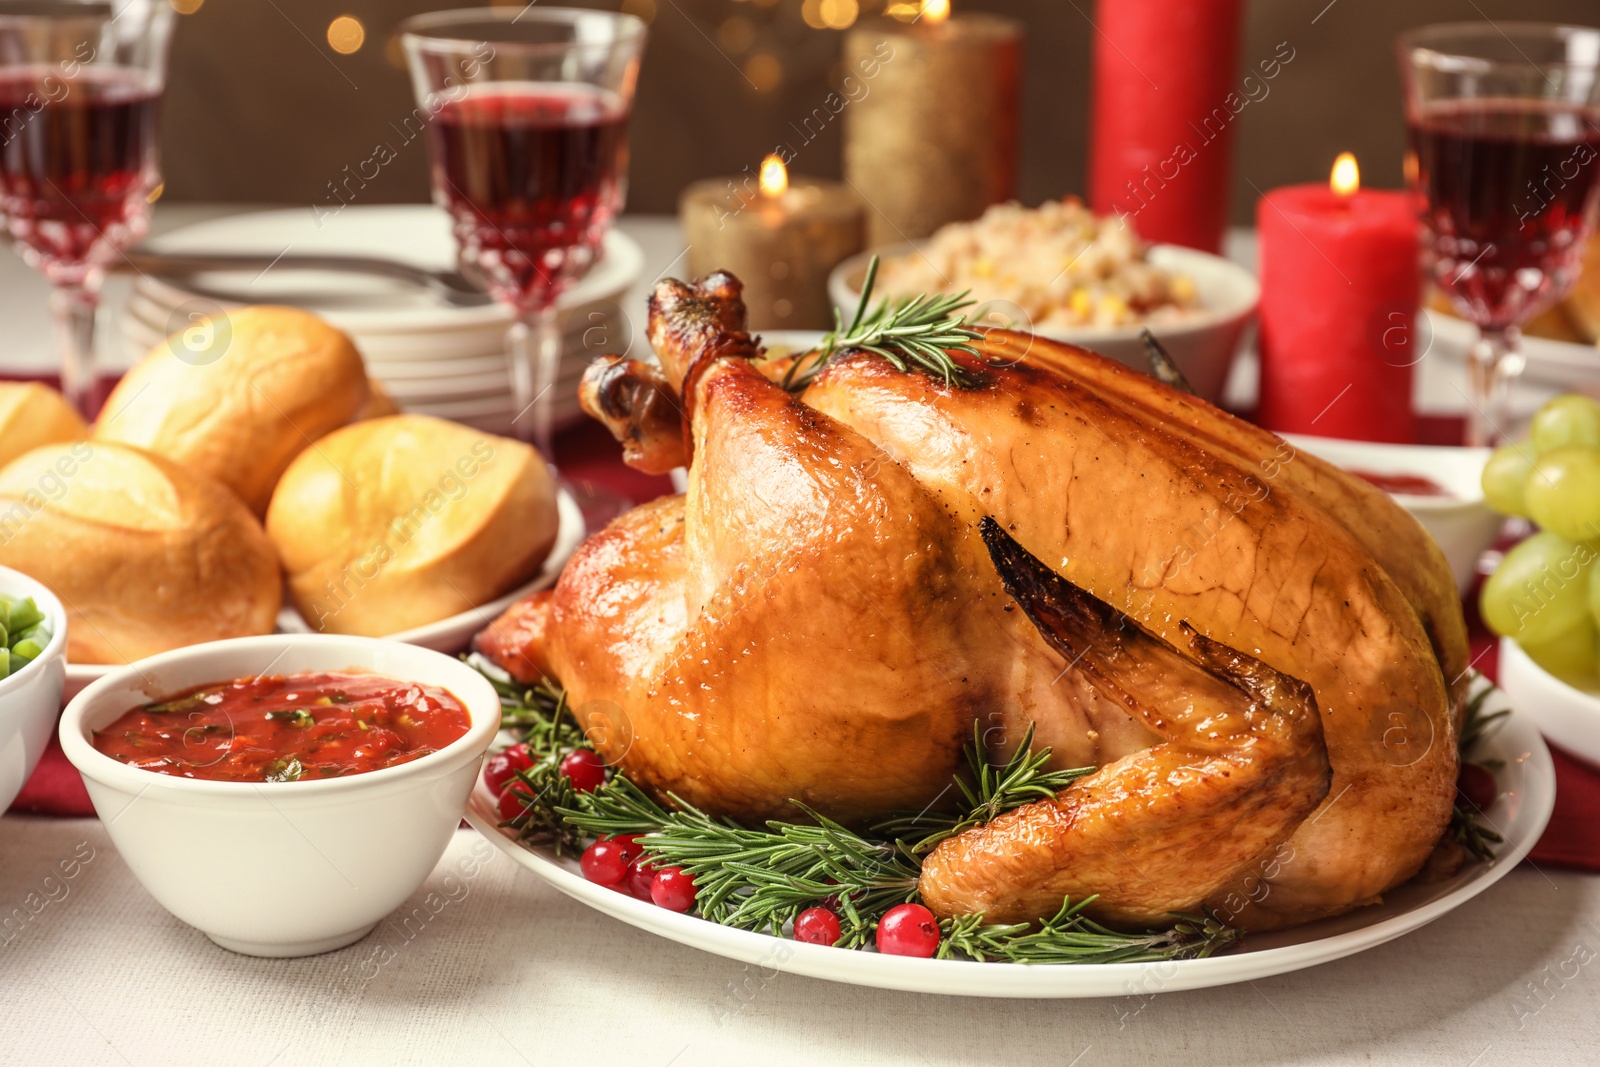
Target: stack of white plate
{"type": "Point", "coordinates": [431, 358]}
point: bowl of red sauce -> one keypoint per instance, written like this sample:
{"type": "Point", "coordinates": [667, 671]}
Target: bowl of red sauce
{"type": "Point", "coordinates": [282, 794]}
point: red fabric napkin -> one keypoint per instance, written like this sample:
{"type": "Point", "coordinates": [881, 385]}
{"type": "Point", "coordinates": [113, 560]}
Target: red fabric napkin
{"type": "Point", "coordinates": [591, 463]}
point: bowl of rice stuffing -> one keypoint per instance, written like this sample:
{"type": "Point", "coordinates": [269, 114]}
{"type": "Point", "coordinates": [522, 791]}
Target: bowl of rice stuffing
{"type": "Point", "coordinates": [1060, 271]}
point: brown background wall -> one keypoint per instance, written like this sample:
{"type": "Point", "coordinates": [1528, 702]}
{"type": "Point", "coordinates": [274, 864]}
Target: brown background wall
{"type": "Point", "coordinates": [261, 109]}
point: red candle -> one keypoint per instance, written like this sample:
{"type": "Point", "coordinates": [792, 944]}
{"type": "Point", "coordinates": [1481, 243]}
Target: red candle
{"type": "Point", "coordinates": [1166, 98]}
{"type": "Point", "coordinates": [1339, 294]}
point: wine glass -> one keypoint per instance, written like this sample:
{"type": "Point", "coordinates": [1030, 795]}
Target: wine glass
{"type": "Point", "coordinates": [527, 118]}
{"type": "Point", "coordinates": [80, 86]}
{"type": "Point", "coordinates": [1503, 124]}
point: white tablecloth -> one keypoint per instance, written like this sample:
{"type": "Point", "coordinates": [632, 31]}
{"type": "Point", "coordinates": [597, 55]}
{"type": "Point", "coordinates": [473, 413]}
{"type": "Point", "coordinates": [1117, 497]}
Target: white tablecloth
{"type": "Point", "coordinates": [93, 971]}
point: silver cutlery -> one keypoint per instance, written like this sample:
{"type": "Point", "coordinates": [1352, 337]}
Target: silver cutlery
{"type": "Point", "coordinates": [448, 287]}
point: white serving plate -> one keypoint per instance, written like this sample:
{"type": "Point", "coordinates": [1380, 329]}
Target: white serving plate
{"type": "Point", "coordinates": [1520, 814]}
{"type": "Point", "coordinates": [415, 233]}
{"type": "Point", "coordinates": [1559, 363]}
{"type": "Point", "coordinates": [1564, 712]}
{"type": "Point", "coordinates": [446, 635]}
{"type": "Point", "coordinates": [1203, 345]}
{"type": "Point", "coordinates": [1462, 524]}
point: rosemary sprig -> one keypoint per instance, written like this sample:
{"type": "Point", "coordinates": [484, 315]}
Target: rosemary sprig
{"type": "Point", "coordinates": [1467, 825]}
{"type": "Point", "coordinates": [1072, 937]}
{"type": "Point", "coordinates": [918, 331]}
{"type": "Point", "coordinates": [540, 714]}
{"type": "Point", "coordinates": [1475, 724]}
{"type": "Point", "coordinates": [992, 792]}
{"type": "Point", "coordinates": [760, 879]}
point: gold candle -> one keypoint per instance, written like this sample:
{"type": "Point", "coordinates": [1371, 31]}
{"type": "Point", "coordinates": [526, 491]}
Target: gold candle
{"type": "Point", "coordinates": [780, 239]}
{"type": "Point", "coordinates": [935, 141]}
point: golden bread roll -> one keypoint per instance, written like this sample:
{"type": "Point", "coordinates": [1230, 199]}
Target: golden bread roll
{"type": "Point", "coordinates": [238, 399]}
{"type": "Point", "coordinates": [1556, 324]}
{"type": "Point", "coordinates": [398, 522]}
{"type": "Point", "coordinates": [145, 555]}
{"type": "Point", "coordinates": [33, 414]}
{"type": "Point", "coordinates": [379, 403]}
{"type": "Point", "coordinates": [1583, 303]}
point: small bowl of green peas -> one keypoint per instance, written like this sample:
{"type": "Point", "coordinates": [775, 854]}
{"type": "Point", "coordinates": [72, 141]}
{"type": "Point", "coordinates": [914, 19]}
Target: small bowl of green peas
{"type": "Point", "coordinates": [33, 671]}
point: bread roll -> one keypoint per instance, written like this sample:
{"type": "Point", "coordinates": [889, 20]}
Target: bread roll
{"type": "Point", "coordinates": [379, 403]}
{"type": "Point", "coordinates": [33, 414]}
{"type": "Point", "coordinates": [145, 555]}
{"type": "Point", "coordinates": [1583, 303]}
{"type": "Point", "coordinates": [398, 522]}
{"type": "Point", "coordinates": [240, 398]}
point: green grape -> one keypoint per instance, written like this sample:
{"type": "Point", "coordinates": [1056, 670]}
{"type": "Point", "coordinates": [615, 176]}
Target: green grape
{"type": "Point", "coordinates": [1504, 477]}
{"type": "Point", "coordinates": [1594, 595]}
{"type": "Point", "coordinates": [1540, 590]}
{"type": "Point", "coordinates": [1573, 419]}
{"type": "Point", "coordinates": [1573, 655]}
{"type": "Point", "coordinates": [1563, 492]}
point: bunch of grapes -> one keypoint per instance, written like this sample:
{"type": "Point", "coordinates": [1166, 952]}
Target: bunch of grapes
{"type": "Point", "coordinates": [1546, 592]}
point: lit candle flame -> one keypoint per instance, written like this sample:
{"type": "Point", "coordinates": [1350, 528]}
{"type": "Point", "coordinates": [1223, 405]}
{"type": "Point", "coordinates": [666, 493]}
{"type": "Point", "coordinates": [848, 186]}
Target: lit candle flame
{"type": "Point", "coordinates": [1346, 176]}
{"type": "Point", "coordinates": [935, 11]}
{"type": "Point", "coordinates": [774, 177]}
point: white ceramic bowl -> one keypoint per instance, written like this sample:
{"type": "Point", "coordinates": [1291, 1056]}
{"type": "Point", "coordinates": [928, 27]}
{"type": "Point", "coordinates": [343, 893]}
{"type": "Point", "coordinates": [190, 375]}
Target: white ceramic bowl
{"type": "Point", "coordinates": [290, 868]}
{"type": "Point", "coordinates": [1461, 523]}
{"type": "Point", "coordinates": [31, 698]}
{"type": "Point", "coordinates": [1565, 713]}
{"type": "Point", "coordinates": [1203, 345]}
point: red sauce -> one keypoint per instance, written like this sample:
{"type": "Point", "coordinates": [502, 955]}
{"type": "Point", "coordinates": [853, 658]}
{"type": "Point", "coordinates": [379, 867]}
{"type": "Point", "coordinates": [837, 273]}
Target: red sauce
{"type": "Point", "coordinates": [1409, 484]}
{"type": "Point", "coordinates": [289, 727]}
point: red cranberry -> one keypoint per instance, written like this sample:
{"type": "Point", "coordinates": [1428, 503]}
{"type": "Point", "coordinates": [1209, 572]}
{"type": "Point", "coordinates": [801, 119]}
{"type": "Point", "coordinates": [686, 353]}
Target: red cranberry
{"type": "Point", "coordinates": [584, 769]}
{"type": "Point", "coordinates": [1476, 787]}
{"type": "Point", "coordinates": [817, 926]}
{"type": "Point", "coordinates": [631, 849]}
{"type": "Point", "coordinates": [908, 930]}
{"type": "Point", "coordinates": [503, 766]}
{"type": "Point", "coordinates": [605, 862]}
{"type": "Point", "coordinates": [641, 875]}
{"type": "Point", "coordinates": [513, 802]}
{"type": "Point", "coordinates": [672, 889]}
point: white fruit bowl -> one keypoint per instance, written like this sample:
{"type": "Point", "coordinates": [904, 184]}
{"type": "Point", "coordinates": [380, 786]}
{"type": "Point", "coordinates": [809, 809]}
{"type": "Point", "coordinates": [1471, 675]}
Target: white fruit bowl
{"type": "Point", "coordinates": [285, 868]}
{"type": "Point", "coordinates": [1564, 712]}
{"type": "Point", "coordinates": [30, 698]}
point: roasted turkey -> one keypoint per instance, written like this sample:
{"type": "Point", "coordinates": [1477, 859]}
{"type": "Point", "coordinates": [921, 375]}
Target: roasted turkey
{"type": "Point", "coordinates": [1264, 657]}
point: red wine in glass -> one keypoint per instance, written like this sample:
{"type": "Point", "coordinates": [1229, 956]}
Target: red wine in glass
{"type": "Point", "coordinates": [532, 175]}
{"type": "Point", "coordinates": [1510, 190]}
{"type": "Point", "coordinates": [77, 163]}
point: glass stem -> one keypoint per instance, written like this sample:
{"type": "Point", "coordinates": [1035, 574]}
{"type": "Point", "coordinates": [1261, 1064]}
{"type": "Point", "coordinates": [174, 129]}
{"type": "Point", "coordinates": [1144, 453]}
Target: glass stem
{"type": "Point", "coordinates": [534, 345]}
{"type": "Point", "coordinates": [74, 308]}
{"type": "Point", "coordinates": [1494, 365]}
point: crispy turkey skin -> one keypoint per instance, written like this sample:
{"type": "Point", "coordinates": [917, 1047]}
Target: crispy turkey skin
{"type": "Point", "coordinates": [1274, 671]}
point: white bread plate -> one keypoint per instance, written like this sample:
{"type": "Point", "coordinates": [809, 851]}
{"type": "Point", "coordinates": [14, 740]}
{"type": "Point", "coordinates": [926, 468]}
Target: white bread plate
{"type": "Point", "coordinates": [447, 635]}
